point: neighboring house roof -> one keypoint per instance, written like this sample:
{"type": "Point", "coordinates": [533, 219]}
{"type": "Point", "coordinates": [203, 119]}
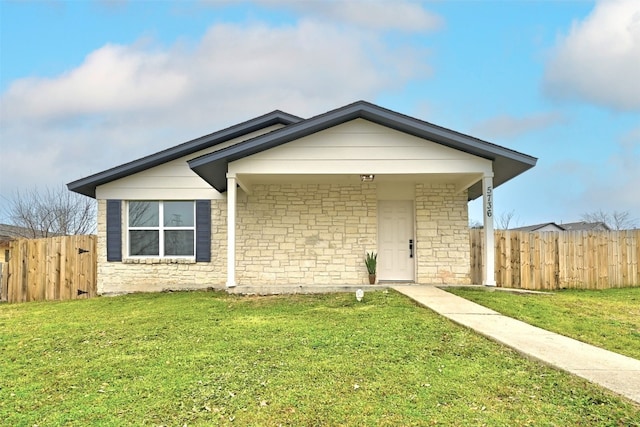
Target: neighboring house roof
{"type": "Point", "coordinates": [212, 167]}
{"type": "Point", "coordinates": [585, 226]}
{"type": "Point", "coordinates": [537, 227]}
{"type": "Point", "coordinates": [569, 226]}
{"type": "Point", "coordinates": [507, 163]}
{"type": "Point", "coordinates": [12, 232]}
{"type": "Point", "coordinates": [87, 186]}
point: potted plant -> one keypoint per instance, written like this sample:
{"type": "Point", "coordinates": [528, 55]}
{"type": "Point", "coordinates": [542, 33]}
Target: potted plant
{"type": "Point", "coordinates": [371, 263]}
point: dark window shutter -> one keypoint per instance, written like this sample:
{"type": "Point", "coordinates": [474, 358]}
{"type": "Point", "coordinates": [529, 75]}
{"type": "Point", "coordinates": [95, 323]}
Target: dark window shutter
{"type": "Point", "coordinates": [203, 230]}
{"type": "Point", "coordinates": [114, 230]}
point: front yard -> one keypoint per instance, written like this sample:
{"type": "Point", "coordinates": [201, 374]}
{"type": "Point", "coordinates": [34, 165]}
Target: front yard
{"type": "Point", "coordinates": [605, 318]}
{"type": "Point", "coordinates": [205, 358]}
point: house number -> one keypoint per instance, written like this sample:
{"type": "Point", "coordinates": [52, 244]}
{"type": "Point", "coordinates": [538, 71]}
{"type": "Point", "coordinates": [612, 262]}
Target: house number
{"type": "Point", "coordinates": [489, 201]}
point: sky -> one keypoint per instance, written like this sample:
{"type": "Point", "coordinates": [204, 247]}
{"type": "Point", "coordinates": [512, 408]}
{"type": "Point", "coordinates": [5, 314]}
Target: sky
{"type": "Point", "coordinates": [88, 85]}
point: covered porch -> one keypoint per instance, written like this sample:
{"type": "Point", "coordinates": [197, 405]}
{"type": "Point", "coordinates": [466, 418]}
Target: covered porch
{"type": "Point", "coordinates": [304, 206]}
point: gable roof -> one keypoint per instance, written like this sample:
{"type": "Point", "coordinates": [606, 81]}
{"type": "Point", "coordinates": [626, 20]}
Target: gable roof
{"type": "Point", "coordinates": [586, 226]}
{"type": "Point", "coordinates": [568, 226]}
{"type": "Point", "coordinates": [507, 163]}
{"type": "Point", "coordinates": [536, 227]}
{"type": "Point", "coordinates": [212, 167]}
{"type": "Point", "coordinates": [87, 186]}
{"type": "Point", "coordinates": [12, 232]}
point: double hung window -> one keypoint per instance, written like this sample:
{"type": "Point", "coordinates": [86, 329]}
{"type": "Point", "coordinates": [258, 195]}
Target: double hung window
{"type": "Point", "coordinates": [161, 228]}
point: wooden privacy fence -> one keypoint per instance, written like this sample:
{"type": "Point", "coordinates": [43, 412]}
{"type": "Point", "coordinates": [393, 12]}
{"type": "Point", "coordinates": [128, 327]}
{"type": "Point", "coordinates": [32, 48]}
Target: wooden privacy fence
{"type": "Point", "coordinates": [4, 283]}
{"type": "Point", "coordinates": [557, 260]}
{"type": "Point", "coordinates": [56, 268]}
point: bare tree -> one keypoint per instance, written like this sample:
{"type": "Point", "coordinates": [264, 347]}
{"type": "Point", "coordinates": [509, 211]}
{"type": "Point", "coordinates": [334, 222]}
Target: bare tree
{"type": "Point", "coordinates": [616, 220]}
{"type": "Point", "coordinates": [475, 224]}
{"type": "Point", "coordinates": [51, 212]}
{"type": "Point", "coordinates": [503, 221]}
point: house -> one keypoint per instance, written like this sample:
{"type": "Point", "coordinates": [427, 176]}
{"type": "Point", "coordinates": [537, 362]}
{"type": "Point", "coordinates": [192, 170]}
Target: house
{"type": "Point", "coordinates": [13, 232]}
{"type": "Point", "coordinates": [585, 226]}
{"type": "Point", "coordinates": [546, 226]}
{"type": "Point", "coordinates": [282, 200]}
{"type": "Point", "coordinates": [569, 226]}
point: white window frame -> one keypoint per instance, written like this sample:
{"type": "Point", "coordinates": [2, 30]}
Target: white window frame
{"type": "Point", "coordinates": [161, 228]}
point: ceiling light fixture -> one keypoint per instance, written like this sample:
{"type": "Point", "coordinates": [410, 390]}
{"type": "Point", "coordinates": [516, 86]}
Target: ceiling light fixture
{"type": "Point", "coordinates": [367, 178]}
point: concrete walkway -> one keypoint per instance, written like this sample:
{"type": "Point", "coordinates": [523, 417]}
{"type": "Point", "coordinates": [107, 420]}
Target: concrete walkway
{"type": "Point", "coordinates": [618, 373]}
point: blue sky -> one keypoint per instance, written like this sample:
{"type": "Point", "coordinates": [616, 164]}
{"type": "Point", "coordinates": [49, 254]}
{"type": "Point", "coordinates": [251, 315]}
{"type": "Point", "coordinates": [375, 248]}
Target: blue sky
{"type": "Point", "coordinates": [85, 86]}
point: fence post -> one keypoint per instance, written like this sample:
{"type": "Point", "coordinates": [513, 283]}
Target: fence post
{"type": "Point", "coordinates": [4, 281]}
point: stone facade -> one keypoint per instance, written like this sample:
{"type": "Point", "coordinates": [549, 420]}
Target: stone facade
{"type": "Point", "coordinates": [442, 235]}
{"type": "Point", "coordinates": [306, 234]}
{"type": "Point", "coordinates": [155, 275]}
{"type": "Point", "coordinates": [299, 234]}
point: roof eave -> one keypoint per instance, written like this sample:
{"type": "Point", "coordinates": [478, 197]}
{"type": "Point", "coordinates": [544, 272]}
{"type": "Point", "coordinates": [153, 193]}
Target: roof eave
{"type": "Point", "coordinates": [213, 167]}
{"type": "Point", "coordinates": [87, 186]}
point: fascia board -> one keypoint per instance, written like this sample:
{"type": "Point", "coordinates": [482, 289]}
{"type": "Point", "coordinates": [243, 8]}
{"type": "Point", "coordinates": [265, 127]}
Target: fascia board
{"type": "Point", "coordinates": [87, 186]}
{"type": "Point", "coordinates": [213, 167]}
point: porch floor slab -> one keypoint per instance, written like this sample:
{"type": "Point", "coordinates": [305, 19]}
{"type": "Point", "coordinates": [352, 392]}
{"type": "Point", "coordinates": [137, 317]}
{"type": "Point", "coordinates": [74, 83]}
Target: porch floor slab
{"type": "Point", "coordinates": [618, 373]}
{"type": "Point", "coordinates": [302, 289]}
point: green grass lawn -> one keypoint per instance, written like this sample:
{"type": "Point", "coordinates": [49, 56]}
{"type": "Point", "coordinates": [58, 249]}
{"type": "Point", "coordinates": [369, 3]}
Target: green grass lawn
{"type": "Point", "coordinates": [205, 358]}
{"type": "Point", "coordinates": [606, 318]}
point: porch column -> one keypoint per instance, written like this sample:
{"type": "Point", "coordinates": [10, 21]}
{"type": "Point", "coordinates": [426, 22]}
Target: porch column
{"type": "Point", "coordinates": [231, 230]}
{"type": "Point", "coordinates": [489, 245]}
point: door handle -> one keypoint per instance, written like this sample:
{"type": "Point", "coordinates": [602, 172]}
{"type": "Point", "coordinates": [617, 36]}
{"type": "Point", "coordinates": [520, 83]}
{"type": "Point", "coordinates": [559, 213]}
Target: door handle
{"type": "Point", "coordinates": [410, 248]}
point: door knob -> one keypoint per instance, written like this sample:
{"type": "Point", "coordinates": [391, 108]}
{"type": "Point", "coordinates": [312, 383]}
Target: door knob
{"type": "Point", "coordinates": [410, 248]}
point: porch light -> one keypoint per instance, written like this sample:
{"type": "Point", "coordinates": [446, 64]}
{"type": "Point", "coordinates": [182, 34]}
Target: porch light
{"type": "Point", "coordinates": [367, 178]}
{"type": "Point", "coordinates": [359, 294]}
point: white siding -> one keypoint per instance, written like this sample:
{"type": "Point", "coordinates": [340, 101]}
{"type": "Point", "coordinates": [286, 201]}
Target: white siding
{"type": "Point", "coordinates": [360, 146]}
{"type": "Point", "coordinates": [171, 180]}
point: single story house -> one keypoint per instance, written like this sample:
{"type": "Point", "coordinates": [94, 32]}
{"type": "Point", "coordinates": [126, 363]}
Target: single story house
{"type": "Point", "coordinates": [569, 226]}
{"type": "Point", "coordinates": [546, 226]}
{"type": "Point", "coordinates": [585, 226]}
{"type": "Point", "coordinates": [10, 232]}
{"type": "Point", "coordinates": [282, 200]}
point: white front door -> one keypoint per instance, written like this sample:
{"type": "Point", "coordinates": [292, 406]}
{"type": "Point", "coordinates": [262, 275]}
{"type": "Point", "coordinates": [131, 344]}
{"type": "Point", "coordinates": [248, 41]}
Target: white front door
{"type": "Point", "coordinates": [396, 243]}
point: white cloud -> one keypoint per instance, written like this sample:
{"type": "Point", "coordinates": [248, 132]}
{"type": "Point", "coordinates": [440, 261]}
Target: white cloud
{"type": "Point", "coordinates": [631, 139]}
{"type": "Point", "coordinates": [609, 183]}
{"type": "Point", "coordinates": [112, 78]}
{"type": "Point", "coordinates": [378, 15]}
{"type": "Point", "coordinates": [619, 190]}
{"type": "Point", "coordinates": [506, 126]}
{"type": "Point", "coordinates": [599, 60]}
{"type": "Point", "coordinates": [125, 101]}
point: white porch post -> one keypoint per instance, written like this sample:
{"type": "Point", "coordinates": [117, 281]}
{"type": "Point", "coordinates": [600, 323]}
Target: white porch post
{"type": "Point", "coordinates": [231, 230]}
{"type": "Point", "coordinates": [489, 245]}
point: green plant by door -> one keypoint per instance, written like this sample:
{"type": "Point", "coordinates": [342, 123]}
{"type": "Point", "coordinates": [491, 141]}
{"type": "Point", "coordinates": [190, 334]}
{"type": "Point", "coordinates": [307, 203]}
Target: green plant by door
{"type": "Point", "coordinates": [371, 262]}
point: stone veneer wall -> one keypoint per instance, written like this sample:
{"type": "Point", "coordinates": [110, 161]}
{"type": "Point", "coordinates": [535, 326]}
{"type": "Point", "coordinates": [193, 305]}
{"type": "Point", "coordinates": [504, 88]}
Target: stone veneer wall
{"type": "Point", "coordinates": [306, 234]}
{"type": "Point", "coordinates": [442, 235]}
{"type": "Point", "coordinates": [303, 234]}
{"type": "Point", "coordinates": [135, 275]}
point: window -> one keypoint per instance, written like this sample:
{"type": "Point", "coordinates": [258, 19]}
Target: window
{"type": "Point", "coordinates": [161, 228]}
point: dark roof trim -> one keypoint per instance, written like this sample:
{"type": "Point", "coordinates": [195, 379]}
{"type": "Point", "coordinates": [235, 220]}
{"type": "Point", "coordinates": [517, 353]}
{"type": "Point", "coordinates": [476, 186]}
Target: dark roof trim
{"type": "Point", "coordinates": [536, 227]}
{"type": "Point", "coordinates": [586, 226]}
{"type": "Point", "coordinates": [567, 226]}
{"type": "Point", "coordinates": [507, 163]}
{"type": "Point", "coordinates": [11, 232]}
{"type": "Point", "coordinates": [87, 186]}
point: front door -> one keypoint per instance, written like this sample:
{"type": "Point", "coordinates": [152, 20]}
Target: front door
{"type": "Point", "coordinates": [396, 243]}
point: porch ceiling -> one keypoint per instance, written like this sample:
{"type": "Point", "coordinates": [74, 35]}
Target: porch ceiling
{"type": "Point", "coordinates": [462, 181]}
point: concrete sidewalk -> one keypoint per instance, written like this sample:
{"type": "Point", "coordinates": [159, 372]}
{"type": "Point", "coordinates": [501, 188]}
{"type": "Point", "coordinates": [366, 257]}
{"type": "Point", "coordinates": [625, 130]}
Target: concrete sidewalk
{"type": "Point", "coordinates": [618, 373]}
